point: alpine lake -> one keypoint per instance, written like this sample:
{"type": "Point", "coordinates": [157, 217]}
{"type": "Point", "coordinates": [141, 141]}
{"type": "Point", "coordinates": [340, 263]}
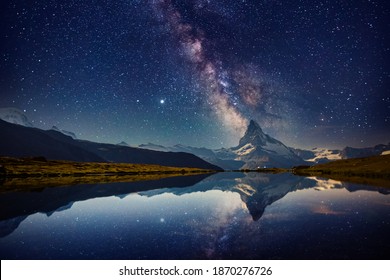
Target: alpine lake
{"type": "Point", "coordinates": [227, 215]}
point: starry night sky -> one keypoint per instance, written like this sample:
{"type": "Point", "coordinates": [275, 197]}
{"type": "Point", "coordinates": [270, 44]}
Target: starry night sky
{"type": "Point", "coordinates": [312, 73]}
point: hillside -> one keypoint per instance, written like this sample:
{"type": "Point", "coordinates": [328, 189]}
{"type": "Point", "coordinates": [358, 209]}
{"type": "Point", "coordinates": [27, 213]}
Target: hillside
{"type": "Point", "coordinates": [20, 141]}
{"type": "Point", "coordinates": [370, 170]}
{"type": "Point", "coordinates": [39, 172]}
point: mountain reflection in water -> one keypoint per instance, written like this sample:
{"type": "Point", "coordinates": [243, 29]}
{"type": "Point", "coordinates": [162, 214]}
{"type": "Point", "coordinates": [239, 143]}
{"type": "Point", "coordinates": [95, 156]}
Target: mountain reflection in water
{"type": "Point", "coordinates": [223, 216]}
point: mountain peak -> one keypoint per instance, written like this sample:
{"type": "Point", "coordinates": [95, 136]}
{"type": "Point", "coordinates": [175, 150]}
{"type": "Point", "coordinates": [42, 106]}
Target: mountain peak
{"type": "Point", "coordinates": [258, 149]}
{"type": "Point", "coordinates": [254, 126]}
{"type": "Point", "coordinates": [254, 135]}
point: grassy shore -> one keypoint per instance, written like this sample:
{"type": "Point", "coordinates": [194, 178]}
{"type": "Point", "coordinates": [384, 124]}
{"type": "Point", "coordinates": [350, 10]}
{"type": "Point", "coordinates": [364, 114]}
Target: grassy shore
{"type": "Point", "coordinates": [41, 172]}
{"type": "Point", "coordinates": [370, 170]}
{"type": "Point", "coordinates": [38, 172]}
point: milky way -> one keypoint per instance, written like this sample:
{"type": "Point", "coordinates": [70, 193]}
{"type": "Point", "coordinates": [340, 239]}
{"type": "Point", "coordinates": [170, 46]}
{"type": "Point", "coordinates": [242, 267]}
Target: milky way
{"type": "Point", "coordinates": [312, 73]}
{"type": "Point", "coordinates": [211, 72]}
{"type": "Point", "coordinates": [233, 92]}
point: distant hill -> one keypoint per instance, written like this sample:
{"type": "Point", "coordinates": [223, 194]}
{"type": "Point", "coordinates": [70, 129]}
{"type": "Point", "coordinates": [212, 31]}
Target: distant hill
{"type": "Point", "coordinates": [349, 152]}
{"type": "Point", "coordinates": [20, 141]}
{"type": "Point", "coordinates": [374, 170]}
{"type": "Point", "coordinates": [208, 155]}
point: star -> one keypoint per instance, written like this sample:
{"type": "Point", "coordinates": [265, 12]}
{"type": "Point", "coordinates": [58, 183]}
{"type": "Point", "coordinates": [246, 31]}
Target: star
{"type": "Point", "coordinates": [212, 67]}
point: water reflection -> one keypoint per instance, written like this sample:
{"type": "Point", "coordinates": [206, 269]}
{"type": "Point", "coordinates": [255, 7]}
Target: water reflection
{"type": "Point", "coordinates": [16, 206]}
{"type": "Point", "coordinates": [224, 216]}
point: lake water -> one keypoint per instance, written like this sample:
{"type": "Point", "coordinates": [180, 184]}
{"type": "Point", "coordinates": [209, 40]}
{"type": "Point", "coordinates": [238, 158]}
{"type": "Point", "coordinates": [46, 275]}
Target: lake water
{"type": "Point", "coordinates": [222, 216]}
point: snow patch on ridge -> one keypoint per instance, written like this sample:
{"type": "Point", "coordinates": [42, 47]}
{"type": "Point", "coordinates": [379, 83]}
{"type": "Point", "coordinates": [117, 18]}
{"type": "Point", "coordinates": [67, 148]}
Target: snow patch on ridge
{"type": "Point", "coordinates": [321, 154]}
{"type": "Point", "coordinates": [244, 150]}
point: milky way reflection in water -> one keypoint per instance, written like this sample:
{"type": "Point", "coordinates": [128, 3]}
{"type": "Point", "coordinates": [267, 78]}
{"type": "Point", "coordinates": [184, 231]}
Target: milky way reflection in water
{"type": "Point", "coordinates": [223, 216]}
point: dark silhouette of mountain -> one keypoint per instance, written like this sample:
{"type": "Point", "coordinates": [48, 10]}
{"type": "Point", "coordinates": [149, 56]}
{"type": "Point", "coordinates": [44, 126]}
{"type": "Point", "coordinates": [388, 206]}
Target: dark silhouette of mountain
{"type": "Point", "coordinates": [8, 226]}
{"type": "Point", "coordinates": [116, 153]}
{"type": "Point", "coordinates": [20, 141]}
{"type": "Point", "coordinates": [16, 206]}
{"type": "Point", "coordinates": [356, 187]}
{"type": "Point", "coordinates": [349, 152]}
{"type": "Point", "coordinates": [208, 155]}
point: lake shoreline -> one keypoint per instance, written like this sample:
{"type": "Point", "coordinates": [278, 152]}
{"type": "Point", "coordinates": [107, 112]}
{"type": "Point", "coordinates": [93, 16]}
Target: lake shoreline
{"type": "Point", "coordinates": [373, 170]}
{"type": "Point", "coordinates": [39, 172]}
{"type": "Point", "coordinates": [36, 173]}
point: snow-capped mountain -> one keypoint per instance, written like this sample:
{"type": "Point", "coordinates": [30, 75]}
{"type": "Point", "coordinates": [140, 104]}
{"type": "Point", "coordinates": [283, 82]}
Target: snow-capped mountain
{"type": "Point", "coordinates": [259, 150]}
{"type": "Point", "coordinates": [318, 155]}
{"type": "Point", "coordinates": [15, 116]}
{"type": "Point", "coordinates": [68, 133]}
{"type": "Point", "coordinates": [255, 150]}
{"type": "Point", "coordinates": [322, 155]}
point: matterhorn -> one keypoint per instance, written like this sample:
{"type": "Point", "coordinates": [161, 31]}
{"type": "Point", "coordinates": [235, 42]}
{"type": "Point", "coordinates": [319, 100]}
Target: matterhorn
{"type": "Point", "coordinates": [259, 150]}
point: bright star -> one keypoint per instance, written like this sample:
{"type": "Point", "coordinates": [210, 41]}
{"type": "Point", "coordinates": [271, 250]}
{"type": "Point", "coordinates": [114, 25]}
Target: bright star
{"type": "Point", "coordinates": [162, 101]}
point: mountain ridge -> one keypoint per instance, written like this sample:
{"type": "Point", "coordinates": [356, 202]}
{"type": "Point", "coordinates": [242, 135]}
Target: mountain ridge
{"type": "Point", "coordinates": [15, 116]}
{"type": "Point", "coordinates": [20, 141]}
{"type": "Point", "coordinates": [255, 150]}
